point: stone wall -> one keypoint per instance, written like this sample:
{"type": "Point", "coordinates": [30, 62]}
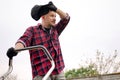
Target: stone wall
{"type": "Point", "coordinates": [113, 76]}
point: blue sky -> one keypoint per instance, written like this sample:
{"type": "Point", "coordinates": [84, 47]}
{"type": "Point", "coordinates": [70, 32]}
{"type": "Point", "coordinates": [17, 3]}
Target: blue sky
{"type": "Point", "coordinates": [94, 25]}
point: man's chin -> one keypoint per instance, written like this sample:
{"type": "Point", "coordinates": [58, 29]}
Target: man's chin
{"type": "Point", "coordinates": [53, 25]}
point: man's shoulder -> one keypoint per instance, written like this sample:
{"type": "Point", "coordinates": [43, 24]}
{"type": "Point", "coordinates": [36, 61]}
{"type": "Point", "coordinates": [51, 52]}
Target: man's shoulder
{"type": "Point", "coordinates": [34, 26]}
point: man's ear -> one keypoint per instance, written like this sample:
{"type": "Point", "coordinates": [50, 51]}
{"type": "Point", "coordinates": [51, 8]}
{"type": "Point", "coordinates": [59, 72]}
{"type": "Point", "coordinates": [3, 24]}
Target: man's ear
{"type": "Point", "coordinates": [42, 17]}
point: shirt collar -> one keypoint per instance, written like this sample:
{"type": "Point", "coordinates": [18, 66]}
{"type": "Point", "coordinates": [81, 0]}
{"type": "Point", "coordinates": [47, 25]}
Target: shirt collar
{"type": "Point", "coordinates": [40, 26]}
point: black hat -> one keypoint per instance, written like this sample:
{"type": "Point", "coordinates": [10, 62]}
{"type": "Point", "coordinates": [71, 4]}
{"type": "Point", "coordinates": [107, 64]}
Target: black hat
{"type": "Point", "coordinates": [39, 10]}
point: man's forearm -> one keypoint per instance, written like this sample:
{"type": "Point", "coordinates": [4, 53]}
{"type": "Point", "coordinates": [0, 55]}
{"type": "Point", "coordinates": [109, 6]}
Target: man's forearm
{"type": "Point", "coordinates": [61, 13]}
{"type": "Point", "coordinates": [19, 46]}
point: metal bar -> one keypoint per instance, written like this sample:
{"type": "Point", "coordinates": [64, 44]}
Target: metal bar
{"type": "Point", "coordinates": [8, 71]}
{"type": "Point", "coordinates": [36, 47]}
{"type": "Point", "coordinates": [50, 70]}
{"type": "Point", "coordinates": [31, 48]}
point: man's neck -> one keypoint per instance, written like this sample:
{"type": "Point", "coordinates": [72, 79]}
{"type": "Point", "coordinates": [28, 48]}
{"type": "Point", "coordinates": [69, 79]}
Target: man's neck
{"type": "Point", "coordinates": [46, 26]}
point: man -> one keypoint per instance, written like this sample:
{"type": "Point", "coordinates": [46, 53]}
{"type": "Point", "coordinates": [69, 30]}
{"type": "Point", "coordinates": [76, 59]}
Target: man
{"type": "Point", "coordinates": [47, 34]}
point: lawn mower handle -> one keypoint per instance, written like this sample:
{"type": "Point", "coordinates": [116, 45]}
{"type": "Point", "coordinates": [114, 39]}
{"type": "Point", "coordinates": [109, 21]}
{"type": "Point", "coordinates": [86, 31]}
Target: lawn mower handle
{"type": "Point", "coordinates": [31, 48]}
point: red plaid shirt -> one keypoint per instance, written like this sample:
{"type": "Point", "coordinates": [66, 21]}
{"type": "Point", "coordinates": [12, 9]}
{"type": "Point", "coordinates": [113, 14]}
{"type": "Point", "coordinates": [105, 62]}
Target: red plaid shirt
{"type": "Point", "coordinates": [37, 35]}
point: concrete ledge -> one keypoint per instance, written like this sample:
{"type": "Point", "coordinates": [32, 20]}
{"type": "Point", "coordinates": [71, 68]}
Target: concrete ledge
{"type": "Point", "coordinates": [112, 76]}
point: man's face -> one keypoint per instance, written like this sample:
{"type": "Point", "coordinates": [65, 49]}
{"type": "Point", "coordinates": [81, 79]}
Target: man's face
{"type": "Point", "coordinates": [50, 18]}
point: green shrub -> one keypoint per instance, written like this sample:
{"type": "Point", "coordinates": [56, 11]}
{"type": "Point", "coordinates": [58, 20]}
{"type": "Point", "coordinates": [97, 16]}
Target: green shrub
{"type": "Point", "coordinates": [81, 72]}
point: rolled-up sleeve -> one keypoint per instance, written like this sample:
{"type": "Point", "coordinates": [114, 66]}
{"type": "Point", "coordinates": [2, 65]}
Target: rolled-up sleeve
{"type": "Point", "coordinates": [25, 39]}
{"type": "Point", "coordinates": [62, 24]}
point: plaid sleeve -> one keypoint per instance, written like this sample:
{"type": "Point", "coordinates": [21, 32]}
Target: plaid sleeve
{"type": "Point", "coordinates": [62, 24]}
{"type": "Point", "coordinates": [25, 39]}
